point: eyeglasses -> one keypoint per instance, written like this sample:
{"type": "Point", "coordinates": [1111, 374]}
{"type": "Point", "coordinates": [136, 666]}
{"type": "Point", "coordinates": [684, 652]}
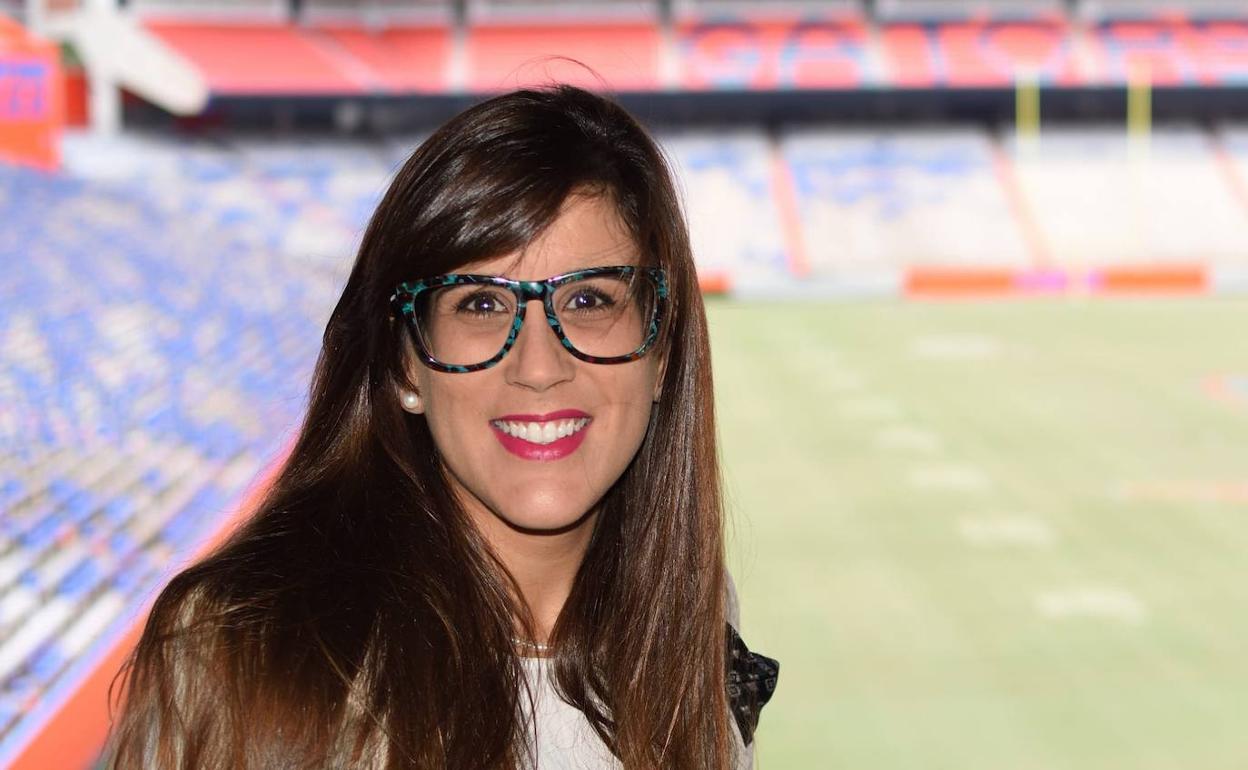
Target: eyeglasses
{"type": "Point", "coordinates": [465, 323]}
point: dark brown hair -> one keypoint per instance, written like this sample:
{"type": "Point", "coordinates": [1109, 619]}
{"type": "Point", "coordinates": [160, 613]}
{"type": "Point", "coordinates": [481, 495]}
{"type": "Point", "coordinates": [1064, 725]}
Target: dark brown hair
{"type": "Point", "coordinates": [357, 618]}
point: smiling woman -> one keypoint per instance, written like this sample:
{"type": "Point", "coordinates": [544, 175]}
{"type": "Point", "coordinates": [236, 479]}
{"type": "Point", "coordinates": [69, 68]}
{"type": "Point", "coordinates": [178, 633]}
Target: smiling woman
{"type": "Point", "coordinates": [496, 420]}
{"type": "Point", "coordinates": [498, 540]}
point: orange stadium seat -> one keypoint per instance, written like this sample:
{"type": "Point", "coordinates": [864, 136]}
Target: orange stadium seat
{"type": "Point", "coordinates": [403, 59]}
{"type": "Point", "coordinates": [773, 53]}
{"type": "Point", "coordinates": [908, 53]}
{"type": "Point", "coordinates": [257, 58]}
{"type": "Point", "coordinates": [1174, 51]}
{"type": "Point", "coordinates": [990, 54]}
{"type": "Point", "coordinates": [502, 56]}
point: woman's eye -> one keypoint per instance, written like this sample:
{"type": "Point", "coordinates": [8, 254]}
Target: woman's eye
{"type": "Point", "coordinates": [482, 303]}
{"type": "Point", "coordinates": [588, 300]}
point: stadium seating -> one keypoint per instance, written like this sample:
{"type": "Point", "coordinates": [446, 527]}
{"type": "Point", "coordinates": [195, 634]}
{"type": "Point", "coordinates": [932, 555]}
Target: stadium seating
{"type": "Point", "coordinates": [880, 202]}
{"type": "Point", "coordinates": [309, 200]}
{"type": "Point", "coordinates": [1102, 198]}
{"type": "Point", "coordinates": [152, 365]}
{"type": "Point", "coordinates": [729, 183]}
{"type": "Point", "coordinates": [334, 48]}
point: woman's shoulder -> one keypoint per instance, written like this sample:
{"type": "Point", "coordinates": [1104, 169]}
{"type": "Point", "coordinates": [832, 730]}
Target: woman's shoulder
{"type": "Point", "coordinates": [751, 676]}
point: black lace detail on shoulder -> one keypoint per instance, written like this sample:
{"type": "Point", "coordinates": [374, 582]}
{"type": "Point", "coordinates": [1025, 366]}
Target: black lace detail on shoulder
{"type": "Point", "coordinates": [751, 682]}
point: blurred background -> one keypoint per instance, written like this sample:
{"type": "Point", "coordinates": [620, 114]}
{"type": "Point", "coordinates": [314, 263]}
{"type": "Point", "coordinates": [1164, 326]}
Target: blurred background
{"type": "Point", "coordinates": [976, 274]}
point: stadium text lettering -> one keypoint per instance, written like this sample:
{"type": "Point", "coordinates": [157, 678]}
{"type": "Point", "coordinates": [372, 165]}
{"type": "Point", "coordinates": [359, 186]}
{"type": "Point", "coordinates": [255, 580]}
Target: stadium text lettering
{"type": "Point", "coordinates": [23, 88]}
{"type": "Point", "coordinates": [814, 55]}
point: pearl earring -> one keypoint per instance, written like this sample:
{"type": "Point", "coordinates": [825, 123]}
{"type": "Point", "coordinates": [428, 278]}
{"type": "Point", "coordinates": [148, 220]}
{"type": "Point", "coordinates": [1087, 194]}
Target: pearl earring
{"type": "Point", "coordinates": [411, 401]}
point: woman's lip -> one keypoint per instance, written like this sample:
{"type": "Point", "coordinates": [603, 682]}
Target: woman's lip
{"type": "Point", "coordinates": [562, 414]}
{"type": "Point", "coordinates": [529, 451]}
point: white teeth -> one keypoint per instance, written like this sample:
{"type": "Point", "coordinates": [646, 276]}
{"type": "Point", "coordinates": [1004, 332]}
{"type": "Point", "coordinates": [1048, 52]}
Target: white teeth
{"type": "Point", "coordinates": [544, 432]}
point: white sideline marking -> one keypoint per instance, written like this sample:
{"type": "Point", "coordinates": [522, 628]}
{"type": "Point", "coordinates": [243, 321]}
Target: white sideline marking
{"type": "Point", "coordinates": [1091, 601]}
{"type": "Point", "coordinates": [964, 478]}
{"type": "Point", "coordinates": [869, 408]}
{"type": "Point", "coordinates": [956, 346]}
{"type": "Point", "coordinates": [993, 531]}
{"type": "Point", "coordinates": [907, 437]}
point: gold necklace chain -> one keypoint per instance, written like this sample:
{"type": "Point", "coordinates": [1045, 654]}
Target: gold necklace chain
{"type": "Point", "coordinates": [531, 645]}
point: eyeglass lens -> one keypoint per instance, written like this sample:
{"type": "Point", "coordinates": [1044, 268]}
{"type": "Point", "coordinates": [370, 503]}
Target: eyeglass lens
{"type": "Point", "coordinates": [604, 316]}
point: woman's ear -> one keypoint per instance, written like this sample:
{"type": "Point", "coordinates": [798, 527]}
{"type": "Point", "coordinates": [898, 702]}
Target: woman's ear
{"type": "Point", "coordinates": [409, 390]}
{"type": "Point", "coordinates": [411, 401]}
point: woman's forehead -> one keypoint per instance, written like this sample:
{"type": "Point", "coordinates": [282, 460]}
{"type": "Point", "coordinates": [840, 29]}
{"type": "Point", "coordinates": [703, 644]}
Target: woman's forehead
{"type": "Point", "coordinates": [587, 233]}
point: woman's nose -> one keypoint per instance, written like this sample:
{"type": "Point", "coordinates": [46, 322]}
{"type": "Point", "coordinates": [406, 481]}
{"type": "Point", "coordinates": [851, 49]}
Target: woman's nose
{"type": "Point", "coordinates": [537, 359]}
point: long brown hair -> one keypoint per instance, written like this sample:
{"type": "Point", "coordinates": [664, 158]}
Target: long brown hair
{"type": "Point", "coordinates": [357, 618]}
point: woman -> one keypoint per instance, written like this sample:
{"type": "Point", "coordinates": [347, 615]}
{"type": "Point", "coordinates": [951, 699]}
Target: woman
{"type": "Point", "coordinates": [497, 541]}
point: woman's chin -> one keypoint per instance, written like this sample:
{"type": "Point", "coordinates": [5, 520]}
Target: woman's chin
{"type": "Point", "coordinates": [549, 506]}
{"type": "Point", "coordinates": [545, 521]}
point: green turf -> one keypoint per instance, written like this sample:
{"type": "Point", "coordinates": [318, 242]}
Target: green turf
{"type": "Point", "coordinates": [904, 645]}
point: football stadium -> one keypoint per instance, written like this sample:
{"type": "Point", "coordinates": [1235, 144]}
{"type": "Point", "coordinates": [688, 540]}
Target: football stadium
{"type": "Point", "coordinates": [977, 279]}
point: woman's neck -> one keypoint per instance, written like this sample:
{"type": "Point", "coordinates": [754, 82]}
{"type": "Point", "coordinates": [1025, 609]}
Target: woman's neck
{"type": "Point", "coordinates": [543, 562]}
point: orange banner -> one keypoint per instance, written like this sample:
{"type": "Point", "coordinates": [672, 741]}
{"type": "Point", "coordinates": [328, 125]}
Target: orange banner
{"type": "Point", "coordinates": [31, 109]}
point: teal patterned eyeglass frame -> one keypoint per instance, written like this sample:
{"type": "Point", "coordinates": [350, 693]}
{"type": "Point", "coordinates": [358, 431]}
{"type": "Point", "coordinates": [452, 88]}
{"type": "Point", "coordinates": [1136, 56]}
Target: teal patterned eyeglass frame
{"type": "Point", "coordinates": [403, 302]}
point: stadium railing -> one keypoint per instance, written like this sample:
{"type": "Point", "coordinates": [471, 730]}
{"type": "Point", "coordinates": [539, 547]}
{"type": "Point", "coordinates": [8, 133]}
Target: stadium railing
{"type": "Point", "coordinates": [936, 11]}
{"type": "Point", "coordinates": [544, 12]}
{"type": "Point", "coordinates": [716, 10]}
{"type": "Point", "coordinates": [377, 14]}
{"type": "Point", "coordinates": [272, 11]}
{"type": "Point", "coordinates": [1162, 10]}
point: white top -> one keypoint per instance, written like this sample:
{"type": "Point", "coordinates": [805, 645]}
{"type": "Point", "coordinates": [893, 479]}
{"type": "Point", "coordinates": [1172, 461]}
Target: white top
{"type": "Point", "coordinates": [565, 740]}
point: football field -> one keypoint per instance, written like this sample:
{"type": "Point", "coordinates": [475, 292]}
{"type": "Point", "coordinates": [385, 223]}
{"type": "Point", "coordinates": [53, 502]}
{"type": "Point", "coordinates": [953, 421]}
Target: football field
{"type": "Point", "coordinates": [992, 535]}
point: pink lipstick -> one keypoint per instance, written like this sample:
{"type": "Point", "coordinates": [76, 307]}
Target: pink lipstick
{"type": "Point", "coordinates": [549, 436]}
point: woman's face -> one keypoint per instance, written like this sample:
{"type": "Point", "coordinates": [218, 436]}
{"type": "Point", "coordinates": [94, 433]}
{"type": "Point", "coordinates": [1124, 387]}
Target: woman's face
{"type": "Point", "coordinates": [544, 486]}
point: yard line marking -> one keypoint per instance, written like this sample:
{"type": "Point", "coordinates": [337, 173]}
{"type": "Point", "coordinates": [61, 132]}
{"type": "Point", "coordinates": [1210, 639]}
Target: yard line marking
{"type": "Point", "coordinates": [813, 351]}
{"type": "Point", "coordinates": [1091, 601]}
{"type": "Point", "coordinates": [962, 478]}
{"type": "Point", "coordinates": [958, 347]}
{"type": "Point", "coordinates": [869, 408]}
{"type": "Point", "coordinates": [991, 531]}
{"type": "Point", "coordinates": [907, 437]}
